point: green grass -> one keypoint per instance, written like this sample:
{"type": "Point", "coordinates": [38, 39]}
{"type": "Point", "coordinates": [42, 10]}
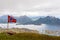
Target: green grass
{"type": "Point", "coordinates": [27, 36]}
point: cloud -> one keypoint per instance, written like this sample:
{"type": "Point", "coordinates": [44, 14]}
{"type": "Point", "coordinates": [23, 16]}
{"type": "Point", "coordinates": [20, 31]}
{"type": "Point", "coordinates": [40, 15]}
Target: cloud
{"type": "Point", "coordinates": [32, 7]}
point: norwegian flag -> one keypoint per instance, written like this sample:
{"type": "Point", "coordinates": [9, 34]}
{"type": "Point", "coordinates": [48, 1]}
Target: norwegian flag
{"type": "Point", "coordinates": [11, 19]}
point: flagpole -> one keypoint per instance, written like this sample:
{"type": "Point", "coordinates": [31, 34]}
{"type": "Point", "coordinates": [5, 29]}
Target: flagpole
{"type": "Point", "coordinates": [7, 25]}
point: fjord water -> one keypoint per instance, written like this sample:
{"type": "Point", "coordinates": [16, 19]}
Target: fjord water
{"type": "Point", "coordinates": [40, 28]}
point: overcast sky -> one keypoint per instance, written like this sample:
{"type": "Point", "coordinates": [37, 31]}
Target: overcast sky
{"type": "Point", "coordinates": [30, 7]}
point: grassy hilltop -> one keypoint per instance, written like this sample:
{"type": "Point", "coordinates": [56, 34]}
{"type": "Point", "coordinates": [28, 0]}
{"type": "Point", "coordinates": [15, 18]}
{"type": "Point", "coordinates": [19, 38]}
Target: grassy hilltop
{"type": "Point", "coordinates": [27, 36]}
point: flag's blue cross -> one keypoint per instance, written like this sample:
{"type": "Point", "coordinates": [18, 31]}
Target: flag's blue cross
{"type": "Point", "coordinates": [11, 19]}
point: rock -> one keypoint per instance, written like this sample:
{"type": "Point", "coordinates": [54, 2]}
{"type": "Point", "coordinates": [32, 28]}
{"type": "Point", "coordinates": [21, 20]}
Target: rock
{"type": "Point", "coordinates": [11, 33]}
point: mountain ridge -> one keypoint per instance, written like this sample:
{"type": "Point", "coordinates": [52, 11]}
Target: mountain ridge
{"type": "Point", "coordinates": [24, 20]}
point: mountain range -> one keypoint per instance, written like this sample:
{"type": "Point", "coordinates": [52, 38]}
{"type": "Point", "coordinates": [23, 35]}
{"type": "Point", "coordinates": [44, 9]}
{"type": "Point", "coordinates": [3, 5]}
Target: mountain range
{"type": "Point", "coordinates": [33, 20]}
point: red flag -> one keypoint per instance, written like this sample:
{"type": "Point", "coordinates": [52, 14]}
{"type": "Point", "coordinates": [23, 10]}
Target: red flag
{"type": "Point", "coordinates": [11, 19]}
